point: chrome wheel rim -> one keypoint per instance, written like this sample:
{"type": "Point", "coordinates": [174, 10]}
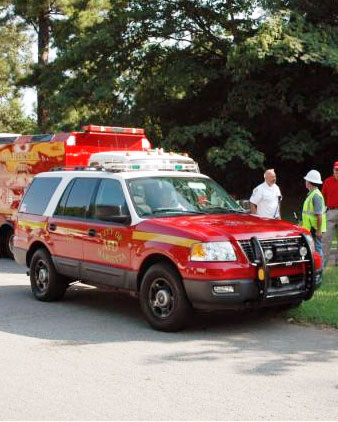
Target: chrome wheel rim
{"type": "Point", "coordinates": [41, 276]}
{"type": "Point", "coordinates": [161, 298]}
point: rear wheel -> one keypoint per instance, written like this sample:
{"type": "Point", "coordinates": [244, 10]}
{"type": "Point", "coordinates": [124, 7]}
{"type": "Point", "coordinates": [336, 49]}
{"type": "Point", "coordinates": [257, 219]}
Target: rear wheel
{"type": "Point", "coordinates": [47, 285]}
{"type": "Point", "coordinates": [163, 299]}
{"type": "Point", "coordinates": [7, 238]}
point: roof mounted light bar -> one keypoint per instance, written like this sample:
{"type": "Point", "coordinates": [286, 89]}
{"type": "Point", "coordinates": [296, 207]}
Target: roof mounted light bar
{"type": "Point", "coordinates": [161, 166]}
{"type": "Point", "coordinates": [150, 160]}
{"type": "Point", "coordinates": [113, 129]}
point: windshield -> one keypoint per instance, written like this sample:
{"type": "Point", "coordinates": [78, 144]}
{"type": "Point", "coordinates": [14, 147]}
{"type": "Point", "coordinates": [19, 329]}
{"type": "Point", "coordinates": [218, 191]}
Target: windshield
{"type": "Point", "coordinates": [158, 196]}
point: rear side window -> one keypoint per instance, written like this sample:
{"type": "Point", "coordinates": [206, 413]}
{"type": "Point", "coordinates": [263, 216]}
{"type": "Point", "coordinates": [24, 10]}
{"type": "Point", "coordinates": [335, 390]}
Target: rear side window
{"type": "Point", "coordinates": [79, 197]}
{"type": "Point", "coordinates": [39, 194]}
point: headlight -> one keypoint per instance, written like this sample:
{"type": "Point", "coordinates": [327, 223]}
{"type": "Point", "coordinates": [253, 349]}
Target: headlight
{"type": "Point", "coordinates": [311, 242]}
{"type": "Point", "coordinates": [213, 251]}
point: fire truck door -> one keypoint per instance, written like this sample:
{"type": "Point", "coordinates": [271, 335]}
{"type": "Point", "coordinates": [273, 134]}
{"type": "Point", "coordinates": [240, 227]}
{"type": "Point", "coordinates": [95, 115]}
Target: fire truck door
{"type": "Point", "coordinates": [68, 226]}
{"type": "Point", "coordinates": [106, 242]}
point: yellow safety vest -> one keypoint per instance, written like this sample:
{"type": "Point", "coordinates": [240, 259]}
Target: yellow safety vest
{"type": "Point", "coordinates": [309, 218]}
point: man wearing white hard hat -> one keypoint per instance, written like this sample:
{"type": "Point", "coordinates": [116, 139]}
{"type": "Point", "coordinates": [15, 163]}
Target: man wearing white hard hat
{"type": "Point", "coordinates": [314, 209]}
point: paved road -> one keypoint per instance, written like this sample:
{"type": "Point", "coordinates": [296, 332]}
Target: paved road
{"type": "Point", "coordinates": [92, 357]}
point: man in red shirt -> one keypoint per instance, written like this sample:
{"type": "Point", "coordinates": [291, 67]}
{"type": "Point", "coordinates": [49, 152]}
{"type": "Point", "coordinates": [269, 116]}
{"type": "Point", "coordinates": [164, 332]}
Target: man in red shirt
{"type": "Point", "coordinates": [330, 193]}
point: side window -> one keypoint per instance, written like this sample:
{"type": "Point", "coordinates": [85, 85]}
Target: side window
{"type": "Point", "coordinates": [109, 202]}
{"type": "Point", "coordinates": [39, 194]}
{"type": "Point", "coordinates": [79, 197]}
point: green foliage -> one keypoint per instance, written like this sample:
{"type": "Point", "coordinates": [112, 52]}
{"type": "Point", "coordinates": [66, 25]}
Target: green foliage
{"type": "Point", "coordinates": [237, 142]}
{"type": "Point", "coordinates": [238, 145]}
{"type": "Point", "coordinates": [14, 61]}
{"type": "Point", "coordinates": [322, 309]}
{"type": "Point", "coordinates": [296, 147]}
{"type": "Point", "coordinates": [206, 76]}
{"type": "Point", "coordinates": [287, 71]}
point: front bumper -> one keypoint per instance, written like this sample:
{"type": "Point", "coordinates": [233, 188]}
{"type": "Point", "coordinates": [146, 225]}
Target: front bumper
{"type": "Point", "coordinates": [246, 294]}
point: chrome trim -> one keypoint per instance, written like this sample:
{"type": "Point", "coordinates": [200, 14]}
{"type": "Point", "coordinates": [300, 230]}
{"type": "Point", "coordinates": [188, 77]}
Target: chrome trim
{"type": "Point", "coordinates": [274, 264]}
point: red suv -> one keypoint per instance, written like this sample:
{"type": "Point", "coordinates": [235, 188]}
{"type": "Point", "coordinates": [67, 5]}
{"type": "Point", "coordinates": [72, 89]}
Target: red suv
{"type": "Point", "coordinates": [174, 237]}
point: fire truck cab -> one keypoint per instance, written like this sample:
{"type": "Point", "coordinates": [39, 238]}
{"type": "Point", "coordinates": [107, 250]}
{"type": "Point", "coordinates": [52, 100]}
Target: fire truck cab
{"type": "Point", "coordinates": [151, 224]}
{"type": "Point", "coordinates": [24, 156]}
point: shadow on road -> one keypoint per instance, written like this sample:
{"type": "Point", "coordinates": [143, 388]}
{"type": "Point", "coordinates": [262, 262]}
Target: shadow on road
{"type": "Point", "coordinates": [89, 316]}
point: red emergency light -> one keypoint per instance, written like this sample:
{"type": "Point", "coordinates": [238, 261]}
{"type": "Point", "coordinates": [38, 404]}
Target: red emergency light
{"type": "Point", "coordinates": [113, 129]}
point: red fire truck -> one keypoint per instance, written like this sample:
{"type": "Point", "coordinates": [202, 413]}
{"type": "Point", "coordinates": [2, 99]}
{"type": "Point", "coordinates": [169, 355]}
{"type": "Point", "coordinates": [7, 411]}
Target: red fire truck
{"type": "Point", "coordinates": [23, 156]}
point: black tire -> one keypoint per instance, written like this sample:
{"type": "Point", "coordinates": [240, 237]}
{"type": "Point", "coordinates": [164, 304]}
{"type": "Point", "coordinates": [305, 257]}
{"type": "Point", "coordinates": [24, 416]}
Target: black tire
{"type": "Point", "coordinates": [163, 299]}
{"type": "Point", "coordinates": [7, 243]}
{"type": "Point", "coordinates": [47, 285]}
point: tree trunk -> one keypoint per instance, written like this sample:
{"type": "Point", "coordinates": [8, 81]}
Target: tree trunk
{"type": "Point", "coordinates": [43, 54]}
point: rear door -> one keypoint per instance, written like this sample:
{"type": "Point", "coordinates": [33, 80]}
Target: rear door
{"type": "Point", "coordinates": [106, 244]}
{"type": "Point", "coordinates": [67, 228]}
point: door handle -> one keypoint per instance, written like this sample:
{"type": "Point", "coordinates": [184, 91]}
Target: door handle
{"type": "Point", "coordinates": [92, 232]}
{"type": "Point", "coordinates": [52, 227]}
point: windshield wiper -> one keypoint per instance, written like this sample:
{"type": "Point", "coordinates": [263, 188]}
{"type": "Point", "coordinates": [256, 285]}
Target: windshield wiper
{"type": "Point", "coordinates": [175, 210]}
{"type": "Point", "coordinates": [224, 210]}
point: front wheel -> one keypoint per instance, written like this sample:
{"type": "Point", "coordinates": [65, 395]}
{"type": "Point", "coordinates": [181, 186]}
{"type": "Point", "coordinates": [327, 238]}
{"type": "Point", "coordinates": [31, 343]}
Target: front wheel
{"type": "Point", "coordinates": [47, 285]}
{"type": "Point", "coordinates": [163, 299]}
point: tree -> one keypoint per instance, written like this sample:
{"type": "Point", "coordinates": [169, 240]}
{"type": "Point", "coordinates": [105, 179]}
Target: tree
{"type": "Point", "coordinates": [146, 62]}
{"type": "Point", "coordinates": [14, 61]}
{"type": "Point", "coordinates": [287, 89]}
{"type": "Point", "coordinates": [39, 16]}
{"type": "Point", "coordinates": [236, 91]}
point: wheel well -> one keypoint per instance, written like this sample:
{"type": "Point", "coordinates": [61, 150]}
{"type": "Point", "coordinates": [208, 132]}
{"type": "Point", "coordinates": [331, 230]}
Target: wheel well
{"type": "Point", "coordinates": [4, 228]}
{"type": "Point", "coordinates": [34, 247]}
{"type": "Point", "coordinates": [150, 261]}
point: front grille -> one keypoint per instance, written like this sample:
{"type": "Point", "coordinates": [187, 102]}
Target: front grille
{"type": "Point", "coordinates": [283, 249]}
{"type": "Point", "coordinates": [248, 249]}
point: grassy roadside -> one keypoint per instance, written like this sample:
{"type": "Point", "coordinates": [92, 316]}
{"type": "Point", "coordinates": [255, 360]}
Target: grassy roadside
{"type": "Point", "coordinates": [323, 307]}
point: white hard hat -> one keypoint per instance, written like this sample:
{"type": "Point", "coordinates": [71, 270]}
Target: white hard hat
{"type": "Point", "coordinates": [313, 176]}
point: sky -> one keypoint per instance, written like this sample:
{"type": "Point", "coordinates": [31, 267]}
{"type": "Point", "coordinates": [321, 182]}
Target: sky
{"type": "Point", "coordinates": [29, 101]}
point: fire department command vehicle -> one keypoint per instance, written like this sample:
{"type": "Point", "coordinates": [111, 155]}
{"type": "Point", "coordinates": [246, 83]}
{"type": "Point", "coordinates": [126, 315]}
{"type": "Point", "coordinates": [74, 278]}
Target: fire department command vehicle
{"type": "Point", "coordinates": [148, 222]}
{"type": "Point", "coordinates": [21, 157]}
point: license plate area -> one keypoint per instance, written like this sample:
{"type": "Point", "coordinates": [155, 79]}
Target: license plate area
{"type": "Point", "coordinates": [284, 280]}
{"type": "Point", "coordinates": [286, 285]}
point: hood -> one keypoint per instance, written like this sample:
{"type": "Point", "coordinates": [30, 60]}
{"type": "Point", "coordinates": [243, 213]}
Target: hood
{"type": "Point", "coordinates": [218, 227]}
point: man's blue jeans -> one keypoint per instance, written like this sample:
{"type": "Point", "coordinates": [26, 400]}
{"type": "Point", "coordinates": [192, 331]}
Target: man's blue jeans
{"type": "Point", "coordinates": [319, 247]}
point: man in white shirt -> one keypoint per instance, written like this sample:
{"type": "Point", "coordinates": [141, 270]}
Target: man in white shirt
{"type": "Point", "coordinates": [266, 197]}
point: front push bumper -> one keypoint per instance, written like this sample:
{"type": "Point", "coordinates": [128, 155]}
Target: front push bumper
{"type": "Point", "coordinates": [242, 293]}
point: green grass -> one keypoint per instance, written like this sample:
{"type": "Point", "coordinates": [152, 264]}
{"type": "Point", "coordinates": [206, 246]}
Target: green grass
{"type": "Point", "coordinates": [323, 307]}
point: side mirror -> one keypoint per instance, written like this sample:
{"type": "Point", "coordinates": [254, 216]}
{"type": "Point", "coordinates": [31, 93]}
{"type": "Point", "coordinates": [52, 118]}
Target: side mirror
{"type": "Point", "coordinates": [244, 203]}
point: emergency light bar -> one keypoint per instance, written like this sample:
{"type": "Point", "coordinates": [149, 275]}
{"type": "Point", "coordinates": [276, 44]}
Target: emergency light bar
{"type": "Point", "coordinates": [152, 160]}
{"type": "Point", "coordinates": [113, 129]}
